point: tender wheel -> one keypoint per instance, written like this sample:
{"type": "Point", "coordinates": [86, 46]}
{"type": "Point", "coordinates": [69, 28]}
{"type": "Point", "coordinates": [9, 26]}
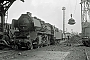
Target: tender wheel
{"type": "Point", "coordinates": [38, 46]}
{"type": "Point", "coordinates": [48, 44]}
{"type": "Point", "coordinates": [29, 46]}
{"type": "Point", "coordinates": [84, 43]}
{"type": "Point", "coordinates": [13, 47]}
{"type": "Point", "coordinates": [16, 47]}
{"type": "Point", "coordinates": [41, 45]}
{"type": "Point", "coordinates": [35, 46]}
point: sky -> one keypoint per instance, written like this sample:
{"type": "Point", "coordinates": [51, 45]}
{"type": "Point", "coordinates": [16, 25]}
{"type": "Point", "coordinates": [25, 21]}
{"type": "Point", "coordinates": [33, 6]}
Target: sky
{"type": "Point", "coordinates": [49, 11]}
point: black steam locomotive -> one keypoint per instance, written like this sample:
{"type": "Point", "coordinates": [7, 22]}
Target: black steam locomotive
{"type": "Point", "coordinates": [31, 32]}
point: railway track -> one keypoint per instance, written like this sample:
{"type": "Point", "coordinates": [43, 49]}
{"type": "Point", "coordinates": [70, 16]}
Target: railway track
{"type": "Point", "coordinates": [8, 54]}
{"type": "Point", "coordinates": [12, 54]}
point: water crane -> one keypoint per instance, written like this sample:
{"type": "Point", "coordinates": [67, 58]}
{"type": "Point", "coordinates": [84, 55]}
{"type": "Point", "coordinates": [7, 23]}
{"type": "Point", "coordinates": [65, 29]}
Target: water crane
{"type": "Point", "coordinates": [71, 21]}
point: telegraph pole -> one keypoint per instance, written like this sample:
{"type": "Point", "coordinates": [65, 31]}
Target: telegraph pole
{"type": "Point", "coordinates": [63, 8]}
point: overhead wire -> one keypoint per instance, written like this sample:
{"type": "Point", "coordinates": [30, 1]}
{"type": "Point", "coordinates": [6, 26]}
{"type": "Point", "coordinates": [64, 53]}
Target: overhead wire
{"type": "Point", "coordinates": [70, 7]}
{"type": "Point", "coordinates": [71, 20]}
{"type": "Point", "coordinates": [75, 7]}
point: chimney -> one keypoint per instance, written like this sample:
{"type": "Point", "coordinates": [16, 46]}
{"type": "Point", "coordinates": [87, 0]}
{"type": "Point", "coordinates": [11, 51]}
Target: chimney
{"type": "Point", "coordinates": [29, 13]}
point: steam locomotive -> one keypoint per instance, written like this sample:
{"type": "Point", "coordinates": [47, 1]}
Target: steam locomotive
{"type": "Point", "coordinates": [86, 34]}
{"type": "Point", "coordinates": [31, 32]}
